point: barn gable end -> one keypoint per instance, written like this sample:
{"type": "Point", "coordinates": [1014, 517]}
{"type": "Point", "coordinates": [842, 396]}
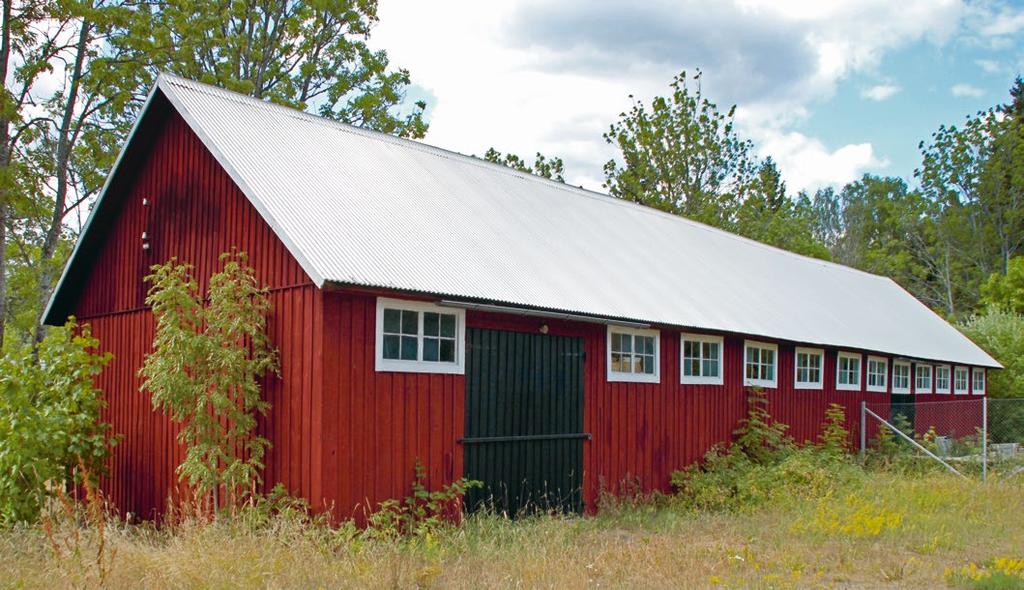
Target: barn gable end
{"type": "Point", "coordinates": [171, 190]}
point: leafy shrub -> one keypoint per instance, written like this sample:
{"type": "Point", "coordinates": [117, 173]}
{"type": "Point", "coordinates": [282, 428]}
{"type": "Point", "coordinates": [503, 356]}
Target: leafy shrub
{"type": "Point", "coordinates": [423, 513]}
{"type": "Point", "coordinates": [204, 372]}
{"type": "Point", "coordinates": [49, 419]}
{"type": "Point", "coordinates": [764, 465]}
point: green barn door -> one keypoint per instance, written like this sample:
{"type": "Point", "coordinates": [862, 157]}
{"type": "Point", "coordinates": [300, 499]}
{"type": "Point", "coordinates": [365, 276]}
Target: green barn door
{"type": "Point", "coordinates": [524, 421]}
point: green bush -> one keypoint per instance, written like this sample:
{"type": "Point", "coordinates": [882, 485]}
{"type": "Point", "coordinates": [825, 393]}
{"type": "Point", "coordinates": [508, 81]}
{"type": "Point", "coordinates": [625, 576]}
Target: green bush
{"type": "Point", "coordinates": [49, 419]}
{"type": "Point", "coordinates": [764, 466]}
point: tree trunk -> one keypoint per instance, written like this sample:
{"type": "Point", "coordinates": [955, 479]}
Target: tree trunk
{"type": "Point", "coordinates": [5, 162]}
{"type": "Point", "coordinates": [63, 162]}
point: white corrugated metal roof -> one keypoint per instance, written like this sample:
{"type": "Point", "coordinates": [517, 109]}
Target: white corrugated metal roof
{"type": "Point", "coordinates": [363, 208]}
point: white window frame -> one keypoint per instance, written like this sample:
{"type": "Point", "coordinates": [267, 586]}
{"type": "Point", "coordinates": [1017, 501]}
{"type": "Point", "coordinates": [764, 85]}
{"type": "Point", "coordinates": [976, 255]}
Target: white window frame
{"type": "Point", "coordinates": [702, 380]}
{"type": "Point", "coordinates": [984, 378]}
{"type": "Point", "coordinates": [931, 379]}
{"type": "Point", "coordinates": [860, 371]}
{"type": "Point", "coordinates": [966, 390]}
{"type": "Point", "coordinates": [910, 378]}
{"type": "Point", "coordinates": [885, 374]}
{"type": "Point", "coordinates": [383, 365]}
{"type": "Point", "coordinates": [797, 384]}
{"type": "Point", "coordinates": [619, 376]}
{"type": "Point", "coordinates": [949, 379]}
{"type": "Point", "coordinates": [766, 383]}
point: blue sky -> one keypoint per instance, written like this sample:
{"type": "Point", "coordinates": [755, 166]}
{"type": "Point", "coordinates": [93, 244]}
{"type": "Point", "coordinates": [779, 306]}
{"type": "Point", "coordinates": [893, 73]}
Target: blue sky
{"type": "Point", "coordinates": [830, 90]}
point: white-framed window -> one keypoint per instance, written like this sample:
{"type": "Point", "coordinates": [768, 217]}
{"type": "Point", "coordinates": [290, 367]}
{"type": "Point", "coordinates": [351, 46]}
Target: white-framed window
{"type": "Point", "coordinates": [808, 363]}
{"type": "Point", "coordinates": [418, 337]}
{"type": "Point", "coordinates": [960, 380]}
{"type": "Point", "coordinates": [900, 377]}
{"type": "Point", "coordinates": [942, 378]}
{"type": "Point", "coordinates": [878, 374]}
{"type": "Point", "coordinates": [978, 381]}
{"type": "Point", "coordinates": [760, 364]}
{"type": "Point", "coordinates": [848, 371]}
{"type": "Point", "coordinates": [922, 378]}
{"type": "Point", "coordinates": [633, 354]}
{"type": "Point", "coordinates": [702, 359]}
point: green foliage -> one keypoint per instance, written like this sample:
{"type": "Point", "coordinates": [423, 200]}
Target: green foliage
{"type": "Point", "coordinates": [49, 419]}
{"type": "Point", "coordinates": [770, 216]}
{"type": "Point", "coordinates": [835, 438]}
{"type": "Point", "coordinates": [422, 514]}
{"type": "Point", "coordinates": [1006, 291]}
{"type": "Point", "coordinates": [681, 155]}
{"type": "Point", "coordinates": [759, 437]}
{"type": "Point", "coordinates": [309, 55]}
{"type": "Point", "coordinates": [204, 371]}
{"type": "Point", "coordinates": [552, 168]}
{"type": "Point", "coordinates": [1001, 334]}
{"type": "Point", "coordinates": [764, 466]}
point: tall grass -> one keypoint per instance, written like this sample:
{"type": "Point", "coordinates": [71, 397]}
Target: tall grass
{"type": "Point", "coordinates": [882, 529]}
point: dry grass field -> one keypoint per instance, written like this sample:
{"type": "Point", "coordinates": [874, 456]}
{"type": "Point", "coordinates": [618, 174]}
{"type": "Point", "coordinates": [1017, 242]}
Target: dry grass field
{"type": "Point", "coordinates": [883, 530]}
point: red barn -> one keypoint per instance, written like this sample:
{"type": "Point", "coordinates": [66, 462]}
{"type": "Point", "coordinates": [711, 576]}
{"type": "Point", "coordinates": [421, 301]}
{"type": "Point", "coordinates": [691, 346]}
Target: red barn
{"type": "Point", "coordinates": [550, 341]}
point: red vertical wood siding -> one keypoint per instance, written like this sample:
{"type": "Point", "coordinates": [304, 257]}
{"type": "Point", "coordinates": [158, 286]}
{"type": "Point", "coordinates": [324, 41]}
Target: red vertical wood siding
{"type": "Point", "coordinates": [194, 213]}
{"type": "Point", "coordinates": [377, 425]}
{"type": "Point", "coordinates": [641, 431]}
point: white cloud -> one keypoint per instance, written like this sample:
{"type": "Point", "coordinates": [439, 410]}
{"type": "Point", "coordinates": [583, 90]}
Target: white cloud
{"type": "Point", "coordinates": [966, 90]}
{"type": "Point", "coordinates": [808, 164]}
{"type": "Point", "coordinates": [527, 76]}
{"type": "Point", "coordinates": [1005, 22]}
{"type": "Point", "coordinates": [990, 66]}
{"type": "Point", "coordinates": [880, 92]}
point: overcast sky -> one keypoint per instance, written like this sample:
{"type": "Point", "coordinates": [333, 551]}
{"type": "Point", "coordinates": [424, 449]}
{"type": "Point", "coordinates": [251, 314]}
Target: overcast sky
{"type": "Point", "coordinates": [829, 89]}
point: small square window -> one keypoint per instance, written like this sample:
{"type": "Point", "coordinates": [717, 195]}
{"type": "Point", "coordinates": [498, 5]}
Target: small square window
{"type": "Point", "coordinates": [848, 371]}
{"type": "Point", "coordinates": [978, 381]}
{"type": "Point", "coordinates": [759, 361]}
{"type": "Point", "coordinates": [878, 374]}
{"type": "Point", "coordinates": [633, 354]}
{"type": "Point", "coordinates": [942, 379]}
{"type": "Point", "coordinates": [418, 337]}
{"type": "Point", "coordinates": [960, 380]}
{"type": "Point", "coordinates": [900, 377]}
{"type": "Point", "coordinates": [808, 363]}
{"type": "Point", "coordinates": [702, 359]}
{"type": "Point", "coordinates": [922, 378]}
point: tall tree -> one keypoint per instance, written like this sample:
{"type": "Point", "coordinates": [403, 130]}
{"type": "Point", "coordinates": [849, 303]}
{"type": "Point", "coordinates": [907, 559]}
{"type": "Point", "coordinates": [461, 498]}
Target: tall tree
{"type": "Point", "coordinates": [975, 175]}
{"type": "Point", "coordinates": [543, 166]}
{"type": "Point", "coordinates": [681, 155]}
{"type": "Point", "coordinates": [769, 215]}
{"type": "Point", "coordinates": [307, 54]}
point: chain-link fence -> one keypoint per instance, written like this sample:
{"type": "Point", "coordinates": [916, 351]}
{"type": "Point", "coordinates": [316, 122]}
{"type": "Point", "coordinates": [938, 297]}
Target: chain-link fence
{"type": "Point", "coordinates": [973, 436]}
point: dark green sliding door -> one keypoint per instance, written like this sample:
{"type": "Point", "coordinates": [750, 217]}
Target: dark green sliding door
{"type": "Point", "coordinates": [524, 421]}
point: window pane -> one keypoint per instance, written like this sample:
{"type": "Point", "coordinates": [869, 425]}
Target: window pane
{"type": "Point", "coordinates": [430, 348]}
{"type": "Point", "coordinates": [448, 351]}
{"type": "Point", "coordinates": [711, 368]}
{"type": "Point", "coordinates": [626, 364]}
{"type": "Point", "coordinates": [392, 320]}
{"type": "Point", "coordinates": [431, 324]}
{"type": "Point", "coordinates": [448, 325]}
{"type": "Point", "coordinates": [616, 342]}
{"type": "Point", "coordinates": [627, 343]}
{"type": "Point", "coordinates": [410, 321]}
{"type": "Point", "coordinates": [391, 346]}
{"type": "Point", "coordinates": [616, 362]}
{"type": "Point", "coordinates": [408, 348]}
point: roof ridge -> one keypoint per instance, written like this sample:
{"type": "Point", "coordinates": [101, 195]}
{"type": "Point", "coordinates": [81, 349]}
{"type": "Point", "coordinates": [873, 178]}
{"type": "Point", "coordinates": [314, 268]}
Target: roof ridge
{"type": "Point", "coordinates": [480, 162]}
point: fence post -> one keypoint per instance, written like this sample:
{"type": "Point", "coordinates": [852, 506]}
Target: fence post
{"type": "Point", "coordinates": [863, 428]}
{"type": "Point", "coordinates": [984, 437]}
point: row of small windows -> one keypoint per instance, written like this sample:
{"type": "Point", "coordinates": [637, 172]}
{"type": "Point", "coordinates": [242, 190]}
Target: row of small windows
{"type": "Point", "coordinates": [633, 356]}
{"type": "Point", "coordinates": [425, 338]}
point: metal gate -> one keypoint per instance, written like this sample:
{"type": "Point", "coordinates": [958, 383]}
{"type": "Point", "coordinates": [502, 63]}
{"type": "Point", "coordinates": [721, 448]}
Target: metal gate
{"type": "Point", "coordinates": [524, 421]}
